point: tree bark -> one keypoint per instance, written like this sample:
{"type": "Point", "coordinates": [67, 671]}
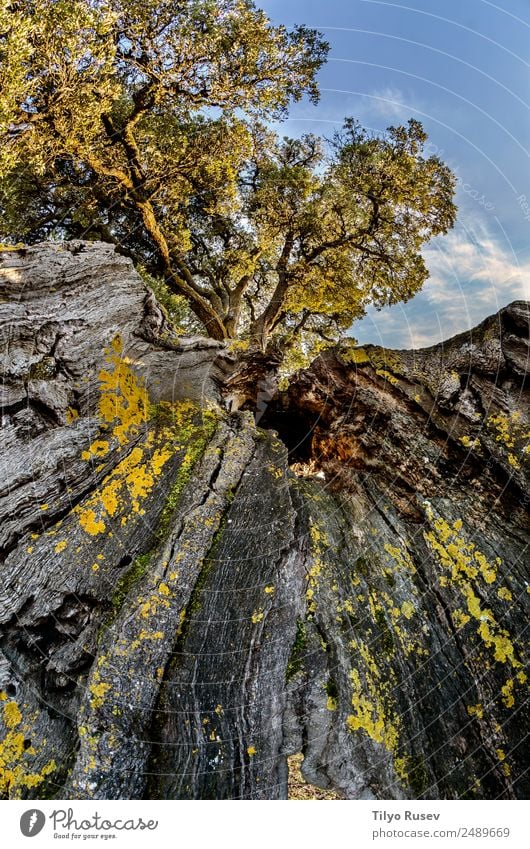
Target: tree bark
{"type": "Point", "coordinates": [187, 600]}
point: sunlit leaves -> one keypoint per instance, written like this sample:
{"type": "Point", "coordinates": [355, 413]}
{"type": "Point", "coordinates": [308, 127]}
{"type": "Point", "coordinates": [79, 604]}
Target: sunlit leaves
{"type": "Point", "coordinates": [138, 122]}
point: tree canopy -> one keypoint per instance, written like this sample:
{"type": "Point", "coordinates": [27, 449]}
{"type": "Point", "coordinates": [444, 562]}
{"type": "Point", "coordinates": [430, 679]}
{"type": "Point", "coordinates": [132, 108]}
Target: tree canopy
{"type": "Point", "coordinates": [145, 124]}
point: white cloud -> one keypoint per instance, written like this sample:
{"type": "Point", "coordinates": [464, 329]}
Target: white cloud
{"type": "Point", "coordinates": [473, 275]}
{"type": "Point", "coordinates": [374, 109]}
{"type": "Point", "coordinates": [472, 270]}
{"type": "Point", "coordinates": [389, 103]}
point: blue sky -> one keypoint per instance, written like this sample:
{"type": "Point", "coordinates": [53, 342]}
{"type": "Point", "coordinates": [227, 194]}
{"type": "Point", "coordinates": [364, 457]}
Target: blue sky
{"type": "Point", "coordinates": [462, 67]}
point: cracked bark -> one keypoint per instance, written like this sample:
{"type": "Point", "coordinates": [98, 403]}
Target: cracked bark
{"type": "Point", "coordinates": [186, 602]}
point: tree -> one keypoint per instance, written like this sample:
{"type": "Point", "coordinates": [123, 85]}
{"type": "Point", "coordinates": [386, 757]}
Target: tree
{"type": "Point", "coordinates": [321, 230]}
{"type": "Point", "coordinates": [97, 104]}
{"type": "Point", "coordinates": [141, 123]}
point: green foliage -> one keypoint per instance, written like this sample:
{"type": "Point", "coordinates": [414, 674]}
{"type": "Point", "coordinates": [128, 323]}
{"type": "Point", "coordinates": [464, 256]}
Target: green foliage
{"type": "Point", "coordinates": [176, 306]}
{"type": "Point", "coordinates": [139, 123]}
{"type": "Point", "coordinates": [115, 115]}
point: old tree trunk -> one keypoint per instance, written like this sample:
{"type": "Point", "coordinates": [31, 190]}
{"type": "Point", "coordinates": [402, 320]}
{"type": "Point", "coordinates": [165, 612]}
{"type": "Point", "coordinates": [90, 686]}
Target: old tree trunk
{"type": "Point", "coordinates": [186, 599]}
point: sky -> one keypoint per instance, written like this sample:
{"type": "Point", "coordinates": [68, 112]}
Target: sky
{"type": "Point", "coordinates": [461, 67]}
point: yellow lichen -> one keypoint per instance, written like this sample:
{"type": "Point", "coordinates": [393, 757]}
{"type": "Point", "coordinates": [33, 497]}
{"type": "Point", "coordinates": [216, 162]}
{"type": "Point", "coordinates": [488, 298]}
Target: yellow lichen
{"type": "Point", "coordinates": [511, 433]}
{"type": "Point", "coordinates": [468, 442]}
{"type": "Point", "coordinates": [16, 755]}
{"type": "Point", "coordinates": [110, 496]}
{"type": "Point", "coordinates": [125, 487]}
{"type": "Point", "coordinates": [319, 545]}
{"type": "Point", "coordinates": [371, 701]}
{"type": "Point", "coordinates": [407, 609]}
{"type": "Point", "coordinates": [507, 693]}
{"type": "Point", "coordinates": [460, 618]}
{"type": "Point", "coordinates": [124, 400]}
{"type": "Point", "coordinates": [150, 635]}
{"type": "Point", "coordinates": [61, 546]}
{"type": "Point", "coordinates": [150, 607]}
{"type": "Point", "coordinates": [387, 376]}
{"type": "Point", "coordinates": [467, 567]}
{"type": "Point", "coordinates": [98, 689]}
{"type": "Point", "coordinates": [90, 522]}
{"type": "Point", "coordinates": [401, 558]}
{"type": "Point", "coordinates": [99, 448]}
{"type": "Point", "coordinates": [12, 715]}
{"type": "Point", "coordinates": [370, 717]}
{"type": "Point", "coordinates": [358, 356]}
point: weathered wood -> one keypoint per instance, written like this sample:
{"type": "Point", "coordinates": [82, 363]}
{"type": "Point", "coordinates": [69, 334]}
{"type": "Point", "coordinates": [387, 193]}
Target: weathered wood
{"type": "Point", "coordinates": [187, 599]}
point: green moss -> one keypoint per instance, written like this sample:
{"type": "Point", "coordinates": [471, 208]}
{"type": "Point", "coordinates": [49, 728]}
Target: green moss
{"type": "Point", "coordinates": [385, 634]}
{"type": "Point", "coordinates": [19, 247]}
{"type": "Point", "coordinates": [389, 578]}
{"type": "Point", "coordinates": [197, 437]}
{"type": "Point", "coordinates": [195, 599]}
{"type": "Point", "coordinates": [173, 499]}
{"type": "Point", "coordinates": [193, 434]}
{"type": "Point", "coordinates": [381, 372]}
{"type": "Point", "coordinates": [331, 689]}
{"type": "Point", "coordinates": [361, 566]}
{"type": "Point", "coordinates": [45, 369]}
{"type": "Point", "coordinates": [129, 579]}
{"type": "Point", "coordinates": [382, 358]}
{"type": "Point", "coordinates": [418, 778]}
{"type": "Point", "coordinates": [358, 356]}
{"type": "Point", "coordinates": [296, 659]}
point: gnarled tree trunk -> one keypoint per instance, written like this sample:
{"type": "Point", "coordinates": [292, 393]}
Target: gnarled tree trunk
{"type": "Point", "coordinates": [186, 599]}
